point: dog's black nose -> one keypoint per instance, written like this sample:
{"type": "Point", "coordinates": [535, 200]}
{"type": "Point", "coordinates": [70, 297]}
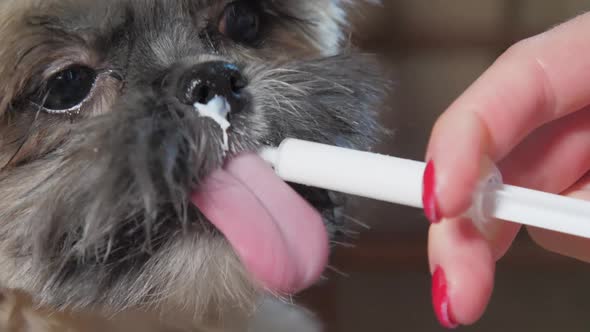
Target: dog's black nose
{"type": "Point", "coordinates": [202, 82]}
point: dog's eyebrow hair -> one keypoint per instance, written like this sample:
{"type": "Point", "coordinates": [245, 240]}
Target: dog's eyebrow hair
{"type": "Point", "coordinates": [121, 30]}
{"type": "Point", "coordinates": [47, 22]}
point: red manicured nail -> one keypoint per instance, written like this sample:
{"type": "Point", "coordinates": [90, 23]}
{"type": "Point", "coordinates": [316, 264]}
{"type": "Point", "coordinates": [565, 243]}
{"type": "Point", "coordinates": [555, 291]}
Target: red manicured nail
{"type": "Point", "coordinates": [440, 299]}
{"type": "Point", "coordinates": [429, 200]}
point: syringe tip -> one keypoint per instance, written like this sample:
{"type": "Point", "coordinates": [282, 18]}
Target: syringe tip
{"type": "Point", "coordinates": [270, 155]}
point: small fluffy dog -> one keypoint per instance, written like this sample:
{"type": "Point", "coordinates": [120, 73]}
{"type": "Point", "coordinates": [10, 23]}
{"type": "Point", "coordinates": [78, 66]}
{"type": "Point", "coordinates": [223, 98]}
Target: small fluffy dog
{"type": "Point", "coordinates": [124, 199]}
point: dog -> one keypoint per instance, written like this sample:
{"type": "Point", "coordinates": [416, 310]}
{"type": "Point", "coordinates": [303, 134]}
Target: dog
{"type": "Point", "coordinates": [122, 200]}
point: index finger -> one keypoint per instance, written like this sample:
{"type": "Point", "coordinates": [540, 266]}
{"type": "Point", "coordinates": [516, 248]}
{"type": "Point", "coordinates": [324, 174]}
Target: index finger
{"type": "Point", "coordinates": [538, 80]}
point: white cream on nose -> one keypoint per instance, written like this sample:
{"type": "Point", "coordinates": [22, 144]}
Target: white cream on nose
{"type": "Point", "coordinates": [217, 109]}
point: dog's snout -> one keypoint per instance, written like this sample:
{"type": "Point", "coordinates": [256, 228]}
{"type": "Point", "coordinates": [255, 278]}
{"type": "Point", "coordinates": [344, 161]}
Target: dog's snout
{"type": "Point", "coordinates": [202, 82]}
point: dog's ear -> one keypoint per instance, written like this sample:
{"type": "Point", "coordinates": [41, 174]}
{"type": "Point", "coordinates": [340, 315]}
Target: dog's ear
{"type": "Point", "coordinates": [330, 22]}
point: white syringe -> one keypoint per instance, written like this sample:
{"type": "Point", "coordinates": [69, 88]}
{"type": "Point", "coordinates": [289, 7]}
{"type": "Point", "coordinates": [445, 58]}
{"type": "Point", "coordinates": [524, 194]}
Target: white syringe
{"type": "Point", "coordinates": [399, 181]}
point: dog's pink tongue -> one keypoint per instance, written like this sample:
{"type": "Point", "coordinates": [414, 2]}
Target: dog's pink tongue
{"type": "Point", "coordinates": [279, 237]}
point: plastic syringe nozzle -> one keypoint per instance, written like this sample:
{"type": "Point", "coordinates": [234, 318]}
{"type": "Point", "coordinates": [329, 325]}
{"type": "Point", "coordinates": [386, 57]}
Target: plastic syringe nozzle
{"type": "Point", "coordinates": [483, 200]}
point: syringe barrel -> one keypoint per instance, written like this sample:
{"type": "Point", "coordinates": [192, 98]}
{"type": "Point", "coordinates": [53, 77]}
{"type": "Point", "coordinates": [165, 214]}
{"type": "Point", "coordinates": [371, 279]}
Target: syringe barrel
{"type": "Point", "coordinates": [399, 181]}
{"type": "Point", "coordinates": [365, 174]}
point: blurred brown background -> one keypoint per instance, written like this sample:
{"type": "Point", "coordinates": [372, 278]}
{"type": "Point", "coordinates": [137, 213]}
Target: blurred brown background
{"type": "Point", "coordinates": [434, 50]}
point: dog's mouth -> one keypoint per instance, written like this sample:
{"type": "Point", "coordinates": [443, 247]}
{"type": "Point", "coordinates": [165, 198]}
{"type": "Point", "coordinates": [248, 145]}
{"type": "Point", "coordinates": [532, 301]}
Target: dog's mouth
{"type": "Point", "coordinates": [279, 237]}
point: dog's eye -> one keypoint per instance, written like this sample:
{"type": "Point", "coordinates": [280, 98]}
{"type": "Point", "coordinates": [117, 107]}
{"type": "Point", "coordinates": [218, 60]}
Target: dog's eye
{"type": "Point", "coordinates": [68, 88]}
{"type": "Point", "coordinates": [241, 21]}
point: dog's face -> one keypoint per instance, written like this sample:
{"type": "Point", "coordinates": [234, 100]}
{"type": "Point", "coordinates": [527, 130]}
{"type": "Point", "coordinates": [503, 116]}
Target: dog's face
{"type": "Point", "coordinates": [101, 148]}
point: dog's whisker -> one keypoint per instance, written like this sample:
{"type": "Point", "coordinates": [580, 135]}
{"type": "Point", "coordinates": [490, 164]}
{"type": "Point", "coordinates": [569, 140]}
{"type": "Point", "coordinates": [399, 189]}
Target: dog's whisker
{"type": "Point", "coordinates": [338, 271]}
{"type": "Point", "coordinates": [356, 221]}
{"type": "Point", "coordinates": [350, 233]}
{"type": "Point", "coordinates": [343, 244]}
{"type": "Point", "coordinates": [108, 250]}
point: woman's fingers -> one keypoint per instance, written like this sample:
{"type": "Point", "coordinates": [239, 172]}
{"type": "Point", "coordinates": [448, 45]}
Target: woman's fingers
{"type": "Point", "coordinates": [537, 81]}
{"type": "Point", "coordinates": [462, 265]}
{"type": "Point", "coordinates": [551, 159]}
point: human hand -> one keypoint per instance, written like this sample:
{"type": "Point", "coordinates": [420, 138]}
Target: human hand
{"type": "Point", "coordinates": [529, 114]}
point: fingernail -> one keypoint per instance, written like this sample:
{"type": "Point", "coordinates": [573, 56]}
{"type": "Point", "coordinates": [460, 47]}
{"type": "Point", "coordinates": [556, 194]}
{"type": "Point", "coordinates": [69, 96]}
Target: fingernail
{"type": "Point", "coordinates": [429, 200]}
{"type": "Point", "coordinates": [440, 299]}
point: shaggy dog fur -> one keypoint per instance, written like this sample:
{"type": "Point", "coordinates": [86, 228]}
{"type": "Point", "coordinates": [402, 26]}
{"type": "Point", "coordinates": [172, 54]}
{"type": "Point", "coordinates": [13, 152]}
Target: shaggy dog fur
{"type": "Point", "coordinates": [95, 176]}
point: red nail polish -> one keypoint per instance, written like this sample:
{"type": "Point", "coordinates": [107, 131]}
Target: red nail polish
{"type": "Point", "coordinates": [429, 200]}
{"type": "Point", "coordinates": [440, 300]}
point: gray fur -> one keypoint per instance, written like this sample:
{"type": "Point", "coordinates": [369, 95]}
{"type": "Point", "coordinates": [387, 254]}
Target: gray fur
{"type": "Point", "coordinates": [95, 209]}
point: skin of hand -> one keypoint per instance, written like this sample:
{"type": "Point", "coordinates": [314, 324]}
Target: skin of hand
{"type": "Point", "coordinates": [529, 114]}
